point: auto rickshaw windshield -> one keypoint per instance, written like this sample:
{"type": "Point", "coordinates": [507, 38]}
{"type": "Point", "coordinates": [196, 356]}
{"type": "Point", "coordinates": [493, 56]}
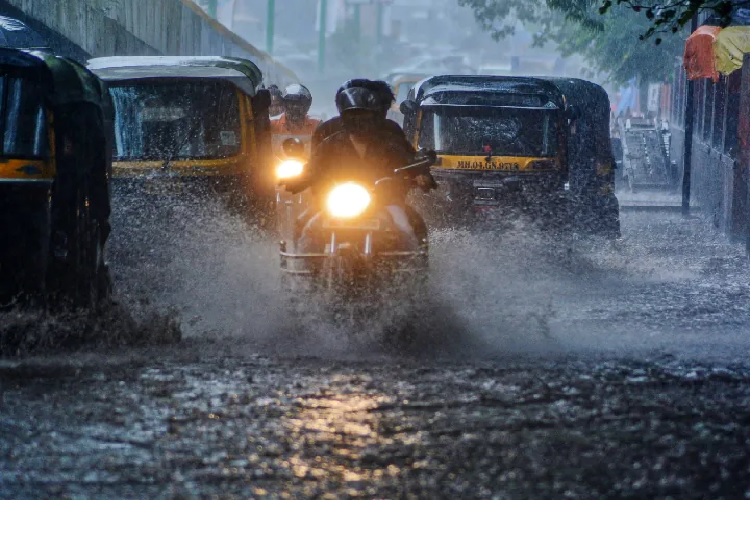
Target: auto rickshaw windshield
{"type": "Point", "coordinates": [177, 119]}
{"type": "Point", "coordinates": [497, 131]}
{"type": "Point", "coordinates": [22, 118]}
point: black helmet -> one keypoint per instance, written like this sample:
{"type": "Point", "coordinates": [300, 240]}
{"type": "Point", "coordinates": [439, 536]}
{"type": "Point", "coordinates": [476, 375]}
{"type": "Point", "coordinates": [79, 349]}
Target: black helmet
{"type": "Point", "coordinates": [297, 94]}
{"type": "Point", "coordinates": [380, 89]}
{"type": "Point", "coordinates": [358, 99]}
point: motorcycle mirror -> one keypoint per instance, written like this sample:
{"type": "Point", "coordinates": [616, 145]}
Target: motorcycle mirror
{"type": "Point", "coordinates": [408, 107]}
{"type": "Point", "coordinates": [293, 148]}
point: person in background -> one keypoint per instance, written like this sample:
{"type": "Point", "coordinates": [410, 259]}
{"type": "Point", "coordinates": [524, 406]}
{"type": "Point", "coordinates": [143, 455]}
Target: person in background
{"type": "Point", "coordinates": [294, 122]}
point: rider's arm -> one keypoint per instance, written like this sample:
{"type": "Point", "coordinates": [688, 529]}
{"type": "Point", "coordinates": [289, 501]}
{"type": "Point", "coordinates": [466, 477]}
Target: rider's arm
{"type": "Point", "coordinates": [424, 180]}
{"type": "Point", "coordinates": [325, 130]}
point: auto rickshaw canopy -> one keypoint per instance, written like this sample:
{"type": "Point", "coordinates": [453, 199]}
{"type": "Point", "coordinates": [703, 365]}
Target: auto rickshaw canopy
{"type": "Point", "coordinates": [243, 73]}
{"type": "Point", "coordinates": [67, 81]}
{"type": "Point", "coordinates": [483, 90]}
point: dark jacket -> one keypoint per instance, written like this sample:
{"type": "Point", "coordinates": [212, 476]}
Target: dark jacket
{"type": "Point", "coordinates": [335, 158]}
{"type": "Point", "coordinates": [335, 124]}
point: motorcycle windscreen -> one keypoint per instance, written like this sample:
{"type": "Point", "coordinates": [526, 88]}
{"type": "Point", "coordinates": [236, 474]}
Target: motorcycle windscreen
{"type": "Point", "coordinates": [495, 131]}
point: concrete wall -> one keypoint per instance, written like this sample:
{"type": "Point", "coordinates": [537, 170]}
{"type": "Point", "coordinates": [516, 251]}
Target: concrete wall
{"type": "Point", "coordinates": [146, 27]}
{"type": "Point", "coordinates": [711, 179]}
{"type": "Point", "coordinates": [58, 43]}
{"type": "Point", "coordinates": [676, 148]}
{"type": "Point", "coordinates": [711, 172]}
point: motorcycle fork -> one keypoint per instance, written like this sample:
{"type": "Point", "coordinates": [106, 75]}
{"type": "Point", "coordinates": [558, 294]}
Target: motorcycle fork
{"type": "Point", "coordinates": [337, 267]}
{"type": "Point", "coordinates": [367, 250]}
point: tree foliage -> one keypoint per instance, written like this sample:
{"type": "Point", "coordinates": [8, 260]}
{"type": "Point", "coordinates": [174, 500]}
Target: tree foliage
{"type": "Point", "coordinates": [612, 35]}
{"type": "Point", "coordinates": [672, 15]}
{"type": "Point", "coordinates": [498, 16]}
{"type": "Point", "coordinates": [615, 50]}
{"type": "Point", "coordinates": [661, 16]}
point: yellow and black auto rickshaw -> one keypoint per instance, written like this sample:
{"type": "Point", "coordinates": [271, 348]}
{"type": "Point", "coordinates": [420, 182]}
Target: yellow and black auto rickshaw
{"type": "Point", "coordinates": [191, 124]}
{"type": "Point", "coordinates": [503, 145]}
{"type": "Point", "coordinates": [55, 126]}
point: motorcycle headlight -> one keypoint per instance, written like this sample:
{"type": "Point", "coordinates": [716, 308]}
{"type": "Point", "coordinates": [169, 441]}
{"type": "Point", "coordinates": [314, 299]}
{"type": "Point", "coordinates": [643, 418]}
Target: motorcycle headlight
{"type": "Point", "coordinates": [347, 200]}
{"type": "Point", "coordinates": [290, 168]}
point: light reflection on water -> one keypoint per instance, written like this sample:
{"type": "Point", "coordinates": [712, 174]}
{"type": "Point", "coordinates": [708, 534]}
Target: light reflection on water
{"type": "Point", "coordinates": [337, 425]}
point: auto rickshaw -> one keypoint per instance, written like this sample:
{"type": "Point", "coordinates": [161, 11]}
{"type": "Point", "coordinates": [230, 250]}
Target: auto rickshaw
{"type": "Point", "coordinates": [518, 144]}
{"type": "Point", "coordinates": [592, 163]}
{"type": "Point", "coordinates": [401, 84]}
{"type": "Point", "coordinates": [501, 144]}
{"type": "Point", "coordinates": [191, 124]}
{"type": "Point", "coordinates": [56, 125]}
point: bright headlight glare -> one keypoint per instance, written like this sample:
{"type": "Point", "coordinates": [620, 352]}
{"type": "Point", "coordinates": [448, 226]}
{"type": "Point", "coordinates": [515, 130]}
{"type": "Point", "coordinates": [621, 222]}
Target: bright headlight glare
{"type": "Point", "coordinates": [290, 168]}
{"type": "Point", "coordinates": [347, 200]}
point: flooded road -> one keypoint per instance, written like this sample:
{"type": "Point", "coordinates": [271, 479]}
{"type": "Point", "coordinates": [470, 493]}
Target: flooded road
{"type": "Point", "coordinates": [538, 371]}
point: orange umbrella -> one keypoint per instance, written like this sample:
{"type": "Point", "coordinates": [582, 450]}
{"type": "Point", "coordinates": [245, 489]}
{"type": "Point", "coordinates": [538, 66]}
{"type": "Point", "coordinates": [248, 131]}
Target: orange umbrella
{"type": "Point", "coordinates": [698, 58]}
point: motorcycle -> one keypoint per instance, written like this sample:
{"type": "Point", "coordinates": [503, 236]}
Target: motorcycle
{"type": "Point", "coordinates": [359, 247]}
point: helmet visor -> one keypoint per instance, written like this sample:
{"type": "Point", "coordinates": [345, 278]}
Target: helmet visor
{"type": "Point", "coordinates": [358, 98]}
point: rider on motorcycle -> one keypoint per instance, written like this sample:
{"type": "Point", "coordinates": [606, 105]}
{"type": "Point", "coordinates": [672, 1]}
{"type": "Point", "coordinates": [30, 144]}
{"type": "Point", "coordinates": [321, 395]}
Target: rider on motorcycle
{"type": "Point", "coordinates": [382, 92]}
{"type": "Point", "coordinates": [361, 144]}
{"type": "Point", "coordinates": [294, 122]}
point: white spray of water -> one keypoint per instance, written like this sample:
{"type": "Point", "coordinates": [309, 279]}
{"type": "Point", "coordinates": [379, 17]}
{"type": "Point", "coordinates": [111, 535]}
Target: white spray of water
{"type": "Point", "coordinates": [515, 292]}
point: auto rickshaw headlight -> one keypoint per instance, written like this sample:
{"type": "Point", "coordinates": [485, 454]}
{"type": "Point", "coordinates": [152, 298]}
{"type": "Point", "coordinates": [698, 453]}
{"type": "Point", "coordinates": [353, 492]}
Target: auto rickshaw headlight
{"type": "Point", "coordinates": [347, 200]}
{"type": "Point", "coordinates": [289, 168]}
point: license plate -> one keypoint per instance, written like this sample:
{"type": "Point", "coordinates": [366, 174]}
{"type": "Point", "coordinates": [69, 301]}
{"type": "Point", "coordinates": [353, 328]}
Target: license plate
{"type": "Point", "coordinates": [362, 224]}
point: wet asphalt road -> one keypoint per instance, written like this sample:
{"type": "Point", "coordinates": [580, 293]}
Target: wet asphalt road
{"type": "Point", "coordinates": [538, 372]}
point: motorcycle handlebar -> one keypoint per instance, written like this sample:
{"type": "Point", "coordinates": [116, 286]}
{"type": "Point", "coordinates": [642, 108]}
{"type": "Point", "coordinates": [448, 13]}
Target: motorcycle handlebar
{"type": "Point", "coordinates": [427, 158]}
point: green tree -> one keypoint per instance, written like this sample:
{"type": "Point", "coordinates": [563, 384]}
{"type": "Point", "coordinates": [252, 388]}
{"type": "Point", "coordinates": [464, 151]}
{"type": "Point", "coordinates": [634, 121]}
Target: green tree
{"type": "Point", "coordinates": [615, 50]}
{"type": "Point", "coordinates": [672, 15]}
{"type": "Point", "coordinates": [661, 16]}
{"type": "Point", "coordinates": [610, 35]}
